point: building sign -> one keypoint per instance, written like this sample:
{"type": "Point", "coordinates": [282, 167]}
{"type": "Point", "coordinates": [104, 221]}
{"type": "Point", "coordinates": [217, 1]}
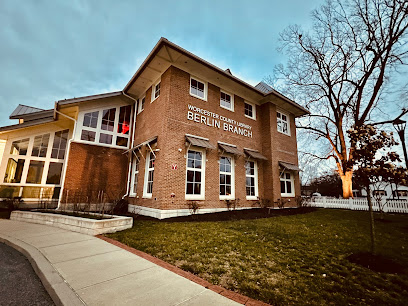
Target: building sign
{"type": "Point", "coordinates": [209, 118]}
{"type": "Point", "coordinates": [174, 167]}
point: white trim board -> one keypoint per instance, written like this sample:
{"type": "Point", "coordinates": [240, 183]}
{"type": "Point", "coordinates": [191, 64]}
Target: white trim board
{"type": "Point", "coordinates": [169, 213]}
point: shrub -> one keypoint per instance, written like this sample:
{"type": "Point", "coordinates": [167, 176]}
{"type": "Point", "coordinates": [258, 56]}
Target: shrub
{"type": "Point", "coordinates": [13, 203]}
{"type": "Point", "coordinates": [193, 206]}
{"type": "Point", "coordinates": [301, 201]}
{"type": "Point", "coordinates": [120, 207]}
{"type": "Point", "coordinates": [231, 204]}
{"type": "Point", "coordinates": [281, 203]}
{"type": "Point", "coordinates": [264, 203]}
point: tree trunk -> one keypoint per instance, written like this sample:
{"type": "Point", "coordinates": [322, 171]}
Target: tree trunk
{"type": "Point", "coordinates": [370, 209]}
{"type": "Point", "coordinates": [347, 184]}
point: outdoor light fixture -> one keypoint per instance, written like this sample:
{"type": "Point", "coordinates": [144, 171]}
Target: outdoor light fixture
{"type": "Point", "coordinates": [399, 126]}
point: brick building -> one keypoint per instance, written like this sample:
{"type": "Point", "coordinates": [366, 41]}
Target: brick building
{"type": "Point", "coordinates": [181, 130]}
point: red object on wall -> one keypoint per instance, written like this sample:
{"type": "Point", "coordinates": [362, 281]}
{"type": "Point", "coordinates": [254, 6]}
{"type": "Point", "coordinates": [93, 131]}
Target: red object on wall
{"type": "Point", "coordinates": [174, 167]}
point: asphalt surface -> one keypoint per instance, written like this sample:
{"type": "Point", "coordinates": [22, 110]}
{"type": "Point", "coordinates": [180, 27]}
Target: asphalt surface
{"type": "Point", "coordinates": [19, 284]}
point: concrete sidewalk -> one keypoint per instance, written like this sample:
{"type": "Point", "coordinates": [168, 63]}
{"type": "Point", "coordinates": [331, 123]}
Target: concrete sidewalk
{"type": "Point", "coordinates": [78, 269]}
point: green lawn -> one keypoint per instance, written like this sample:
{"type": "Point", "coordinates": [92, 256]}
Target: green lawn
{"type": "Point", "coordinates": [295, 259]}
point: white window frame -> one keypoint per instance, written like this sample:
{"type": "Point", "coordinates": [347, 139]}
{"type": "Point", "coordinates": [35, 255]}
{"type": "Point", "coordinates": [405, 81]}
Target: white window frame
{"type": "Point", "coordinates": [139, 107]}
{"type": "Point", "coordinates": [200, 196]}
{"type": "Point", "coordinates": [154, 90]}
{"type": "Point", "coordinates": [147, 195]}
{"type": "Point", "coordinates": [205, 88]}
{"type": "Point", "coordinates": [283, 121]}
{"type": "Point", "coordinates": [28, 158]}
{"type": "Point", "coordinates": [98, 130]}
{"type": "Point", "coordinates": [232, 195]}
{"type": "Point", "coordinates": [253, 110]}
{"type": "Point", "coordinates": [135, 177]}
{"type": "Point", "coordinates": [232, 100]}
{"type": "Point", "coordinates": [291, 180]}
{"type": "Point", "coordinates": [255, 176]}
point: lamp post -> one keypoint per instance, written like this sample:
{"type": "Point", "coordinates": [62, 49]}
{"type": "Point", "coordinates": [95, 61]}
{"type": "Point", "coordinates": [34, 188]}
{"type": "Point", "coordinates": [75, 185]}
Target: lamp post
{"type": "Point", "coordinates": [399, 125]}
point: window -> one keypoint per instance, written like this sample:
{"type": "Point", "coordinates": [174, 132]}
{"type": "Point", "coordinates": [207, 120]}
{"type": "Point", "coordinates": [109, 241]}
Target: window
{"type": "Point", "coordinates": [121, 141]}
{"type": "Point", "coordinates": [156, 91]}
{"type": "Point", "coordinates": [227, 101]}
{"type": "Point", "coordinates": [198, 89]}
{"type": "Point", "coordinates": [148, 187]}
{"type": "Point", "coordinates": [54, 173]}
{"type": "Point", "coordinates": [40, 145]}
{"type": "Point", "coordinates": [283, 123]}
{"type": "Point", "coordinates": [14, 170]}
{"type": "Point", "coordinates": [141, 104]}
{"type": "Point", "coordinates": [108, 119]}
{"type": "Point", "coordinates": [91, 119]}
{"type": "Point", "coordinates": [195, 175]}
{"type": "Point", "coordinates": [124, 119]}
{"type": "Point", "coordinates": [226, 178]}
{"type": "Point", "coordinates": [60, 144]}
{"type": "Point", "coordinates": [41, 166]}
{"type": "Point", "coordinates": [251, 175]}
{"type": "Point", "coordinates": [105, 138]}
{"type": "Point", "coordinates": [133, 188]}
{"type": "Point", "coordinates": [111, 128]}
{"type": "Point", "coordinates": [88, 135]}
{"type": "Point", "coordinates": [35, 172]}
{"type": "Point", "coordinates": [286, 182]}
{"type": "Point", "coordinates": [250, 110]}
{"type": "Point", "coordinates": [19, 147]}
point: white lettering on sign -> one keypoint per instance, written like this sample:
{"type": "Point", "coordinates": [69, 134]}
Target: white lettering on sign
{"type": "Point", "coordinates": [208, 118]}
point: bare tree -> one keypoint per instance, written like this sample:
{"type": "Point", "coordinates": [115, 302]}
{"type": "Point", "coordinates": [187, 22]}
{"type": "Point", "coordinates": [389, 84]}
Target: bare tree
{"type": "Point", "coordinates": [340, 67]}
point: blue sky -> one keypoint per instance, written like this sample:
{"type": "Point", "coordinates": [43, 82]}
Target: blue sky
{"type": "Point", "coordinates": [53, 50]}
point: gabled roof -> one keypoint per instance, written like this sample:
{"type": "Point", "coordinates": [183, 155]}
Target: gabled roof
{"type": "Point", "coordinates": [22, 110]}
{"type": "Point", "coordinates": [168, 46]}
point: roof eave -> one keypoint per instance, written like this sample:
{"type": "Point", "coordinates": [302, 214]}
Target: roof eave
{"type": "Point", "coordinates": [89, 98]}
{"type": "Point", "coordinates": [28, 124]}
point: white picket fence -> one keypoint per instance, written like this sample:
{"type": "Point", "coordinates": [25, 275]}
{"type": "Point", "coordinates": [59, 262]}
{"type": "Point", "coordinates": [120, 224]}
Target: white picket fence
{"type": "Point", "coordinates": [388, 205]}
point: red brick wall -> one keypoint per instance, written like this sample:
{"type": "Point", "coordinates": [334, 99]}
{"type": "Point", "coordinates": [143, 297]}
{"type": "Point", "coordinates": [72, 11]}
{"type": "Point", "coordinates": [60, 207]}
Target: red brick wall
{"type": "Point", "coordinates": [92, 169]}
{"type": "Point", "coordinates": [166, 118]}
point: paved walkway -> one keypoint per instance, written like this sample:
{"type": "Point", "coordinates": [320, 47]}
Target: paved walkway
{"type": "Point", "coordinates": [79, 269]}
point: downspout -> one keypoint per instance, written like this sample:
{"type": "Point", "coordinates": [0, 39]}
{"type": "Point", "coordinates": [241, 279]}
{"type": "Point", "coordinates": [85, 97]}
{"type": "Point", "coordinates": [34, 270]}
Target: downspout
{"type": "Point", "coordinates": [67, 152]}
{"type": "Point", "coordinates": [131, 146]}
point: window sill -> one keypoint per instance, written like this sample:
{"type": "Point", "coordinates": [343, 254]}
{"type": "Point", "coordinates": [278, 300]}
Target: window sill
{"type": "Point", "coordinates": [155, 99]}
{"type": "Point", "coordinates": [287, 195]}
{"type": "Point", "coordinates": [147, 196]}
{"type": "Point", "coordinates": [195, 197]}
{"type": "Point", "coordinates": [140, 111]}
{"type": "Point", "coordinates": [198, 97]}
{"type": "Point", "coordinates": [230, 109]}
{"type": "Point", "coordinates": [252, 198]}
{"type": "Point", "coordinates": [250, 117]}
{"type": "Point", "coordinates": [222, 198]}
{"type": "Point", "coordinates": [287, 134]}
{"type": "Point", "coordinates": [101, 144]}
